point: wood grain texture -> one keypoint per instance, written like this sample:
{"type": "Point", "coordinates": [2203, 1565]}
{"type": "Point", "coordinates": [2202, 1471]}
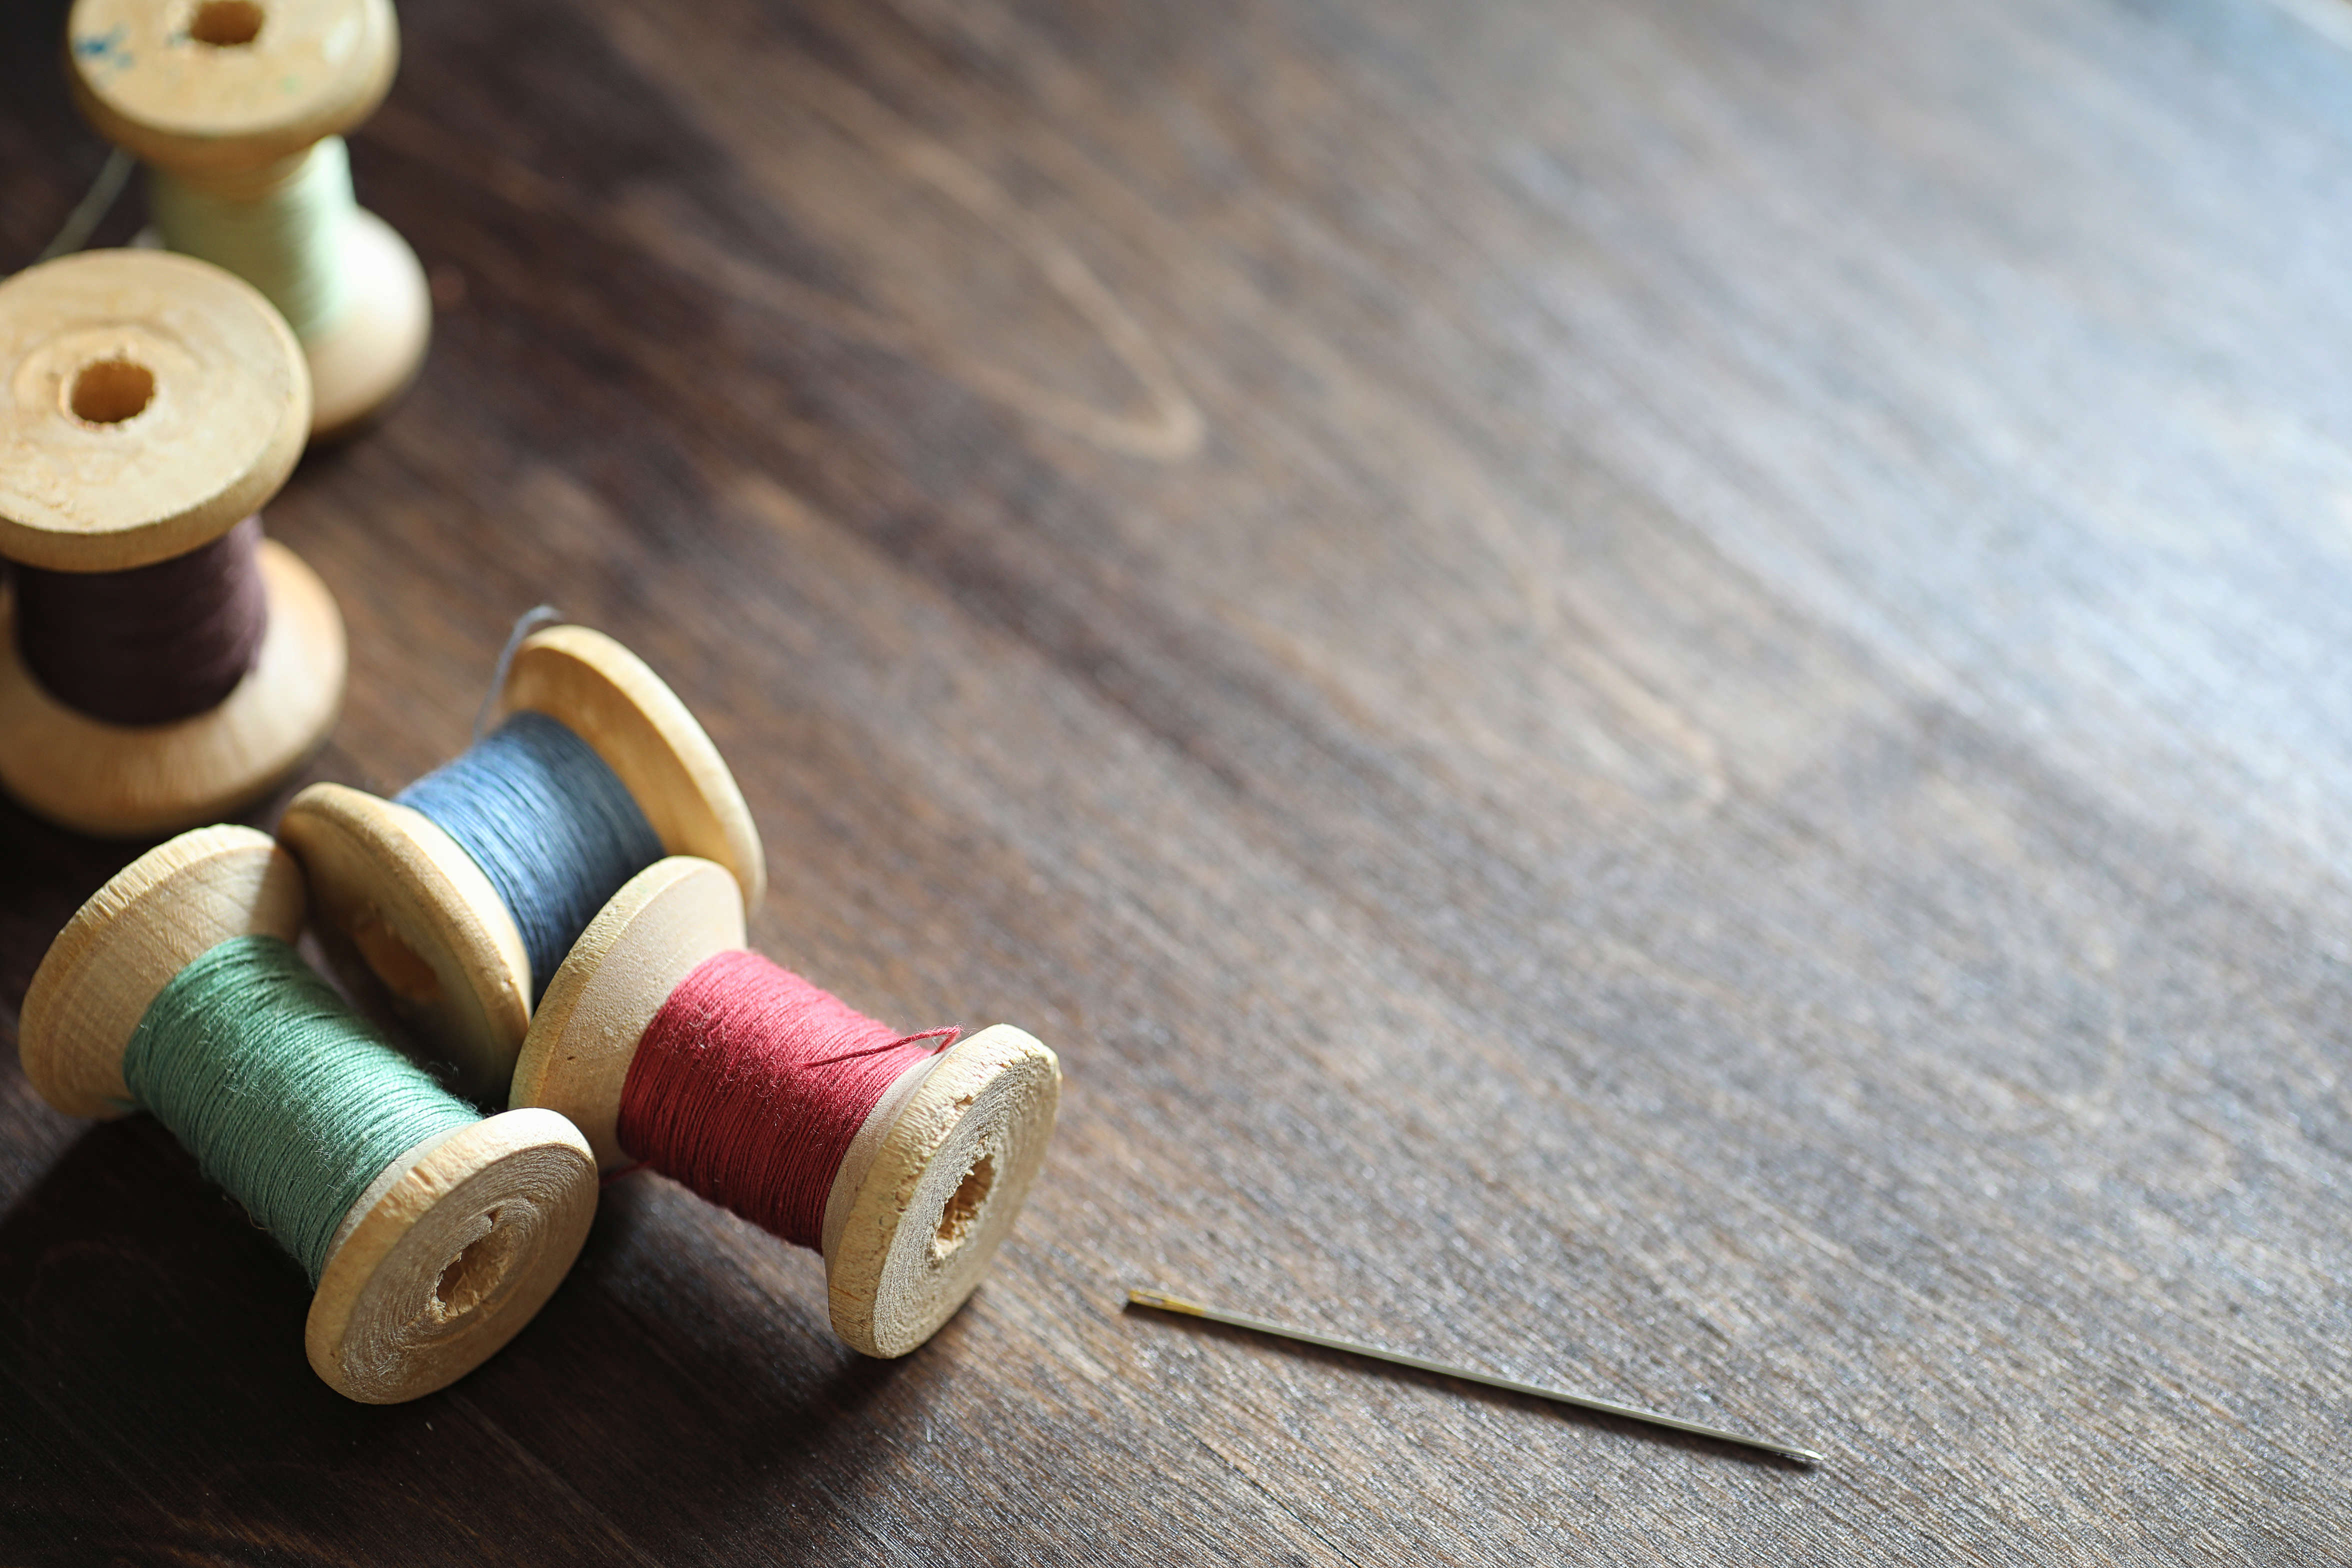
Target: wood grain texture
{"type": "Point", "coordinates": [1652, 691]}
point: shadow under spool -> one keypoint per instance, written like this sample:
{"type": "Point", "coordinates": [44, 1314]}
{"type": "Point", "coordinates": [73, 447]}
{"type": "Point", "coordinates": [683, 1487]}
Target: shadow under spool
{"type": "Point", "coordinates": [151, 645]}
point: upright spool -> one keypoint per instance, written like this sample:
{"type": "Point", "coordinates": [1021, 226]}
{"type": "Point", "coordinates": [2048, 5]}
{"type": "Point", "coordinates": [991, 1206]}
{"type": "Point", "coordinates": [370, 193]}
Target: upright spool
{"type": "Point", "coordinates": [238, 107]}
{"type": "Point", "coordinates": [447, 1253]}
{"type": "Point", "coordinates": [935, 1176]}
{"type": "Point", "coordinates": [397, 895]}
{"type": "Point", "coordinates": [148, 404]}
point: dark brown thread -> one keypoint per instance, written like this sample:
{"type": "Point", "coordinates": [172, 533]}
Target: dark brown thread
{"type": "Point", "coordinates": [151, 645]}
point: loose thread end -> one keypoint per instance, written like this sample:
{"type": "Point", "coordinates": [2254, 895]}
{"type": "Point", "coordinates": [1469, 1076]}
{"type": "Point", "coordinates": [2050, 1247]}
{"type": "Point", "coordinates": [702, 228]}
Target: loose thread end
{"type": "Point", "coordinates": [530, 621]}
{"type": "Point", "coordinates": [92, 210]}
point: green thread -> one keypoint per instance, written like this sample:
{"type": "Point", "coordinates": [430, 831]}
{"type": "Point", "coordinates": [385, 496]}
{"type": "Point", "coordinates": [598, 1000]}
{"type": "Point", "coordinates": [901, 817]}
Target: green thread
{"type": "Point", "coordinates": [286, 236]}
{"type": "Point", "coordinates": [286, 1096]}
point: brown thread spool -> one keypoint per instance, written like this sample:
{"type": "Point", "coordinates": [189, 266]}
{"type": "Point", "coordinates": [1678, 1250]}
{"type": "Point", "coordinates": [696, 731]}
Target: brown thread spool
{"type": "Point", "coordinates": [239, 108]}
{"type": "Point", "coordinates": [148, 405]}
{"type": "Point", "coordinates": [398, 897]}
{"type": "Point", "coordinates": [936, 1175]}
{"type": "Point", "coordinates": [152, 644]}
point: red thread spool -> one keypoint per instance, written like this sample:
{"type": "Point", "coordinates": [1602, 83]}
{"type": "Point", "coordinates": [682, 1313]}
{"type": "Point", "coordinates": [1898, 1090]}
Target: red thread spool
{"type": "Point", "coordinates": [750, 1084]}
{"type": "Point", "coordinates": [905, 1163]}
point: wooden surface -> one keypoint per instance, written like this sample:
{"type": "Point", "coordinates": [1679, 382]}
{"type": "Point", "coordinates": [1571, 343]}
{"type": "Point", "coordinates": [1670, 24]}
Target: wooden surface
{"type": "Point", "coordinates": [1650, 692]}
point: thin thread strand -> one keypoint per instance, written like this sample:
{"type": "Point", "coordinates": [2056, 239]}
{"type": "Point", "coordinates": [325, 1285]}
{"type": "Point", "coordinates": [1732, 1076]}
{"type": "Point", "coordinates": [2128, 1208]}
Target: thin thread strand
{"type": "Point", "coordinates": [552, 827]}
{"type": "Point", "coordinates": [525, 624]}
{"type": "Point", "coordinates": [151, 645]}
{"type": "Point", "coordinates": [750, 1084]}
{"type": "Point", "coordinates": [92, 210]}
{"type": "Point", "coordinates": [286, 1098]}
{"type": "Point", "coordinates": [286, 232]}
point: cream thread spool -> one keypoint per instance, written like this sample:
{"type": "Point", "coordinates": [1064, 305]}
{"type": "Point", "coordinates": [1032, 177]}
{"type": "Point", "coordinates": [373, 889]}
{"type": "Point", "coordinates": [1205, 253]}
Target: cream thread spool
{"type": "Point", "coordinates": [238, 107]}
{"type": "Point", "coordinates": [446, 1254]}
{"type": "Point", "coordinates": [397, 896]}
{"type": "Point", "coordinates": [937, 1172]}
{"type": "Point", "coordinates": [148, 403]}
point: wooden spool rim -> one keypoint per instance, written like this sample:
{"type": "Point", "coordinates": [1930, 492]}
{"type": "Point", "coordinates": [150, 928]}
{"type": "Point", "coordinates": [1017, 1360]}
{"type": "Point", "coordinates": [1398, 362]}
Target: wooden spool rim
{"type": "Point", "coordinates": [117, 781]}
{"type": "Point", "coordinates": [151, 919]}
{"type": "Point", "coordinates": [366, 357]}
{"type": "Point", "coordinates": [362, 359]}
{"type": "Point", "coordinates": [453, 1247]}
{"type": "Point", "coordinates": [972, 1124]}
{"type": "Point", "coordinates": [657, 931]}
{"type": "Point", "coordinates": [398, 896]}
{"type": "Point", "coordinates": [228, 412]}
{"type": "Point", "coordinates": [398, 899]}
{"type": "Point", "coordinates": [314, 68]}
{"type": "Point", "coordinates": [612, 699]}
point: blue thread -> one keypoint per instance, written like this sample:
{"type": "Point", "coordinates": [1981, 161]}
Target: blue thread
{"type": "Point", "coordinates": [553, 828]}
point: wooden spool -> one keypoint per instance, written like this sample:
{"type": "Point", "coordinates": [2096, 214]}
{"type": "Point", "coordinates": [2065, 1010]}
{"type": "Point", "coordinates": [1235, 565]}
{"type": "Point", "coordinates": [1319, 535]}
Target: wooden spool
{"type": "Point", "coordinates": [229, 96]}
{"type": "Point", "coordinates": [148, 404]}
{"type": "Point", "coordinates": [448, 1253]}
{"type": "Point", "coordinates": [399, 897]}
{"type": "Point", "coordinates": [934, 1178]}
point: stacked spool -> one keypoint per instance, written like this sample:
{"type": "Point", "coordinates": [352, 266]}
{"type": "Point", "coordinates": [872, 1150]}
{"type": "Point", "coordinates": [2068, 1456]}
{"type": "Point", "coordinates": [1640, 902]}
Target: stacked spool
{"type": "Point", "coordinates": [161, 664]}
{"type": "Point", "coordinates": [431, 1235]}
{"type": "Point", "coordinates": [237, 108]}
{"type": "Point", "coordinates": [600, 820]}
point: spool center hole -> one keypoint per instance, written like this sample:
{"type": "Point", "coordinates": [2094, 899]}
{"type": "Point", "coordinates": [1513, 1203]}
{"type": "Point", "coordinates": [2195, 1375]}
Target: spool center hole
{"type": "Point", "coordinates": [963, 1207]}
{"type": "Point", "coordinates": [110, 391]}
{"type": "Point", "coordinates": [473, 1273]}
{"type": "Point", "coordinates": [403, 973]}
{"type": "Point", "coordinates": [225, 23]}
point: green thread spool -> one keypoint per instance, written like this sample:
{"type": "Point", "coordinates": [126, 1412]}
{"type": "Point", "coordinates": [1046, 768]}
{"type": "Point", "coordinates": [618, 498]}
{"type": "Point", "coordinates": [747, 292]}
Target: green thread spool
{"type": "Point", "coordinates": [289, 234]}
{"type": "Point", "coordinates": [432, 1234]}
{"type": "Point", "coordinates": [239, 108]}
{"type": "Point", "coordinates": [286, 1098]}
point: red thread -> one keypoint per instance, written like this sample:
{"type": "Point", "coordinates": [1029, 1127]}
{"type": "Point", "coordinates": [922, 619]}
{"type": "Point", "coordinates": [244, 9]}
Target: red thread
{"type": "Point", "coordinates": [750, 1084]}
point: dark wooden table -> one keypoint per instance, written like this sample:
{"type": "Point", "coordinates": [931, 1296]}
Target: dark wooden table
{"type": "Point", "coordinates": [1650, 692]}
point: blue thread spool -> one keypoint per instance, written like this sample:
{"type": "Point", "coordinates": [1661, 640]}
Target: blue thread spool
{"type": "Point", "coordinates": [461, 896]}
{"type": "Point", "coordinates": [446, 1251]}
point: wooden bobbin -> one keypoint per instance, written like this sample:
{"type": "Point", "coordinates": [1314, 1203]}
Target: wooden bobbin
{"type": "Point", "coordinates": [227, 95]}
{"type": "Point", "coordinates": [399, 896]}
{"type": "Point", "coordinates": [448, 1253]}
{"type": "Point", "coordinates": [934, 1178]}
{"type": "Point", "coordinates": [148, 404]}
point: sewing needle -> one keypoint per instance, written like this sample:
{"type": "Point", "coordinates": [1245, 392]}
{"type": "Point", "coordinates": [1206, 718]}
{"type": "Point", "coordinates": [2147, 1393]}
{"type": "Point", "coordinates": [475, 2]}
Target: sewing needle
{"type": "Point", "coordinates": [1168, 1303]}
